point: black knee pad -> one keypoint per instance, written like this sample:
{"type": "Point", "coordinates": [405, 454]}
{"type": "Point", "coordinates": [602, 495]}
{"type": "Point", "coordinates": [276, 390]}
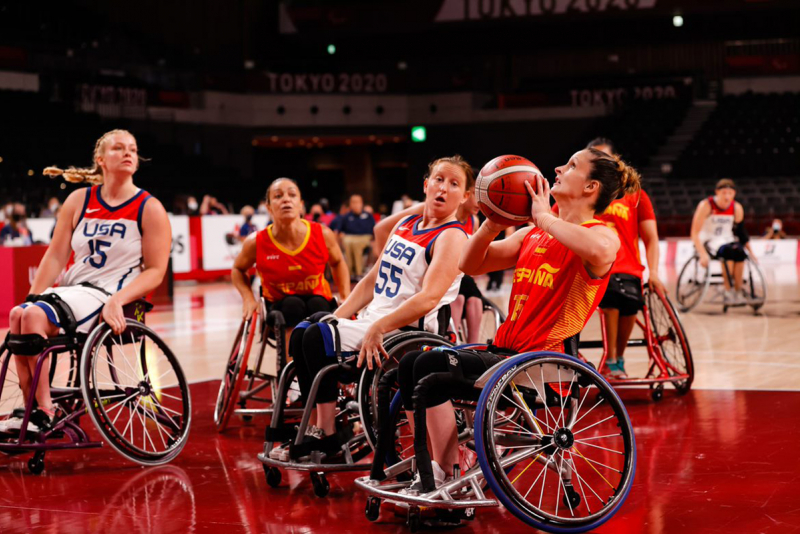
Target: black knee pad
{"type": "Point", "coordinates": [405, 377]}
{"type": "Point", "coordinates": [293, 309]}
{"type": "Point", "coordinates": [26, 344]}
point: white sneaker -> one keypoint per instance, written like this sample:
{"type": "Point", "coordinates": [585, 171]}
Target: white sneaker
{"type": "Point", "coordinates": [280, 454]}
{"type": "Point", "coordinates": [739, 298]}
{"type": "Point", "coordinates": [728, 297]}
{"type": "Point", "coordinates": [439, 478]}
{"type": "Point", "coordinates": [15, 423]}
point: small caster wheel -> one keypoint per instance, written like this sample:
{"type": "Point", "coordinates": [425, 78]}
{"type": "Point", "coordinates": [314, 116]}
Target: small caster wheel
{"type": "Point", "coordinates": [373, 508]}
{"type": "Point", "coordinates": [414, 522]}
{"type": "Point", "coordinates": [247, 418]}
{"type": "Point", "coordinates": [724, 309]}
{"type": "Point", "coordinates": [571, 500]}
{"type": "Point", "coordinates": [321, 485]}
{"type": "Point", "coordinates": [36, 465]}
{"type": "Point", "coordinates": [273, 476]}
{"type": "Point", "coordinates": [658, 392]}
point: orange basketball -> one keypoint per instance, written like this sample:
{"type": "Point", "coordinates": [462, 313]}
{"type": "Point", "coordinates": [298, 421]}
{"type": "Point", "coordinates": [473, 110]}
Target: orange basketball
{"type": "Point", "coordinates": [501, 192]}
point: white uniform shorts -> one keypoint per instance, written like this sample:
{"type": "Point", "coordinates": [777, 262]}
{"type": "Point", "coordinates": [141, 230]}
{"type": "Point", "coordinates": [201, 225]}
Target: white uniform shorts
{"type": "Point", "coordinates": [86, 304]}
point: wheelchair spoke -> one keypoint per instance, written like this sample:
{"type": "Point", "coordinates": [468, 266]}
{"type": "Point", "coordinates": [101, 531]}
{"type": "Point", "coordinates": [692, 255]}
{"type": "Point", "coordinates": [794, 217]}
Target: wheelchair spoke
{"type": "Point", "coordinates": [521, 428]}
{"type": "Point", "coordinates": [593, 425]}
{"type": "Point", "coordinates": [165, 394]}
{"type": "Point", "coordinates": [130, 420]}
{"type": "Point", "coordinates": [124, 359]}
{"type": "Point", "coordinates": [587, 413]}
{"type": "Point", "coordinates": [544, 468]}
{"type": "Point", "coordinates": [599, 447]}
{"type": "Point", "coordinates": [529, 412]}
{"type": "Point", "coordinates": [600, 464]}
{"type": "Point", "coordinates": [600, 437]}
{"type": "Point", "coordinates": [580, 483]}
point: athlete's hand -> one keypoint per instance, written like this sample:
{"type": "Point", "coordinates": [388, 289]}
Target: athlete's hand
{"type": "Point", "coordinates": [494, 227]}
{"type": "Point", "coordinates": [372, 348]}
{"type": "Point", "coordinates": [656, 284]}
{"type": "Point", "coordinates": [704, 259]}
{"type": "Point", "coordinates": [540, 197]}
{"type": "Point", "coordinates": [113, 316]}
{"type": "Point", "coordinates": [248, 307]}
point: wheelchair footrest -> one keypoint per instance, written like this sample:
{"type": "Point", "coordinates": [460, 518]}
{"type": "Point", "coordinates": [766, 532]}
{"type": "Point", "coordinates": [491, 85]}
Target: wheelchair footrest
{"type": "Point", "coordinates": [328, 444]}
{"type": "Point", "coordinates": [280, 435]}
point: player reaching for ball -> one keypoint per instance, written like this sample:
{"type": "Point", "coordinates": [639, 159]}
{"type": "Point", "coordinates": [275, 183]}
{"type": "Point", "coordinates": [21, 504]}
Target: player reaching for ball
{"type": "Point", "coordinates": [561, 270]}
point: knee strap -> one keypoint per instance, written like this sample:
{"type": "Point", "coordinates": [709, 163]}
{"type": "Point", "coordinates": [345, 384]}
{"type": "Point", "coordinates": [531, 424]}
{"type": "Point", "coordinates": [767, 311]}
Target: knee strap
{"type": "Point", "coordinates": [332, 321]}
{"type": "Point", "coordinates": [64, 312]}
{"type": "Point", "coordinates": [26, 344]}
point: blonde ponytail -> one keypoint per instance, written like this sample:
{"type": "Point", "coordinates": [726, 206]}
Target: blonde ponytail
{"type": "Point", "coordinates": [93, 175]}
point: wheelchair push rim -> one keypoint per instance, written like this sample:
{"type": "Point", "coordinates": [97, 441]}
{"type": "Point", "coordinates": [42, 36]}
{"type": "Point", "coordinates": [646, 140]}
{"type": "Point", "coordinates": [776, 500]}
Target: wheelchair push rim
{"type": "Point", "coordinates": [235, 369]}
{"type": "Point", "coordinates": [136, 393]}
{"type": "Point", "coordinates": [756, 285]}
{"type": "Point", "coordinates": [693, 283]}
{"type": "Point", "coordinates": [573, 459]}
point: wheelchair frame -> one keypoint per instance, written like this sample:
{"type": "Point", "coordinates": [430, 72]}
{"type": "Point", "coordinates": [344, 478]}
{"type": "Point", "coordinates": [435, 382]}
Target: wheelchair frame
{"type": "Point", "coordinates": [660, 370]}
{"type": "Point", "coordinates": [78, 398]}
{"type": "Point", "coordinates": [751, 271]}
{"type": "Point", "coordinates": [457, 500]}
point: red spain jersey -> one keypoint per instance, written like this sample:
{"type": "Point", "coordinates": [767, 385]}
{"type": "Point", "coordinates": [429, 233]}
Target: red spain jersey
{"type": "Point", "coordinates": [624, 216]}
{"type": "Point", "coordinates": [287, 272]}
{"type": "Point", "coordinates": [552, 296]}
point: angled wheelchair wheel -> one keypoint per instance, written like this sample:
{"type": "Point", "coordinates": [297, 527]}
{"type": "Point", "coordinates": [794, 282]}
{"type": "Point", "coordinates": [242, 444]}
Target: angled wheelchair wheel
{"type": "Point", "coordinates": [136, 393]}
{"type": "Point", "coordinates": [11, 398]}
{"type": "Point", "coordinates": [573, 453]}
{"type": "Point", "coordinates": [692, 284]}
{"type": "Point", "coordinates": [491, 320]}
{"type": "Point", "coordinates": [671, 339]}
{"type": "Point", "coordinates": [755, 285]}
{"type": "Point", "coordinates": [235, 369]}
{"type": "Point", "coordinates": [396, 347]}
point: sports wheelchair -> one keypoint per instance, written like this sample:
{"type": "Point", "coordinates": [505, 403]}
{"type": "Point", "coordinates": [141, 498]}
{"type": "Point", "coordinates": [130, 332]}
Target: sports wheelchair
{"type": "Point", "coordinates": [270, 327]}
{"type": "Point", "coordinates": [695, 280]}
{"type": "Point", "coordinates": [668, 352]}
{"type": "Point", "coordinates": [356, 410]}
{"type": "Point", "coordinates": [542, 408]}
{"type": "Point", "coordinates": [130, 385]}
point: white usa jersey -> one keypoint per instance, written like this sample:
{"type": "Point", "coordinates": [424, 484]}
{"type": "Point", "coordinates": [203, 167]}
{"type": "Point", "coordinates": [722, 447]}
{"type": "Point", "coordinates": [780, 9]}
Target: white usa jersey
{"type": "Point", "coordinates": [402, 268]}
{"type": "Point", "coordinates": [107, 242]}
{"type": "Point", "coordinates": [718, 228]}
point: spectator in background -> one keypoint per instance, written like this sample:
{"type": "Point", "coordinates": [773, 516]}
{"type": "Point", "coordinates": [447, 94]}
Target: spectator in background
{"type": "Point", "coordinates": [15, 233]}
{"type": "Point", "coordinates": [775, 231]}
{"type": "Point", "coordinates": [212, 206]}
{"type": "Point", "coordinates": [404, 202]}
{"type": "Point", "coordinates": [356, 229]}
{"type": "Point", "coordinates": [262, 208]}
{"type": "Point", "coordinates": [336, 223]}
{"type": "Point", "coordinates": [51, 210]}
{"type": "Point", "coordinates": [5, 213]}
{"type": "Point", "coordinates": [192, 207]}
{"type": "Point", "coordinates": [247, 226]}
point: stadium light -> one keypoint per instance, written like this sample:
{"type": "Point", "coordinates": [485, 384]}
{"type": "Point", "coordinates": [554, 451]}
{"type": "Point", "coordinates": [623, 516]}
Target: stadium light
{"type": "Point", "coordinates": [419, 134]}
{"type": "Point", "coordinates": [677, 21]}
{"type": "Point", "coordinates": [331, 49]}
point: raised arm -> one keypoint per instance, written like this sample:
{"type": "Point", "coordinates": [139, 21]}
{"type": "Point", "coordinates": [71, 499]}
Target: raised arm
{"type": "Point", "coordinates": [597, 246]}
{"type": "Point", "coordinates": [57, 255]}
{"type": "Point", "coordinates": [241, 281]}
{"type": "Point", "coordinates": [156, 244]}
{"type": "Point", "coordinates": [341, 275]}
{"type": "Point", "coordinates": [482, 254]}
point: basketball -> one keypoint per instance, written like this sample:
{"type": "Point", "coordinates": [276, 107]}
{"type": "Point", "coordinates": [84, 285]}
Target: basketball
{"type": "Point", "coordinates": [501, 192]}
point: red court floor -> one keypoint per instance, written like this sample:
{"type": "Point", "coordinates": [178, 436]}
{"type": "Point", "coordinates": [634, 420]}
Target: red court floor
{"type": "Point", "coordinates": [712, 461]}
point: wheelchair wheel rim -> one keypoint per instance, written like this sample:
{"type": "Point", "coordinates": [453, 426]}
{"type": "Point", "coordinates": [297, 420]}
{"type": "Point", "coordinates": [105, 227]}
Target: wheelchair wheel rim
{"type": "Point", "coordinates": [234, 373]}
{"type": "Point", "coordinates": [692, 284]}
{"type": "Point", "coordinates": [670, 336]}
{"type": "Point", "coordinates": [136, 393]}
{"type": "Point", "coordinates": [581, 438]}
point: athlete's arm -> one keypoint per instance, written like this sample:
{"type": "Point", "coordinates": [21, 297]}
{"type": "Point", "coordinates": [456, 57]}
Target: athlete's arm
{"type": "Point", "coordinates": [597, 246]}
{"type": "Point", "coordinates": [482, 254]}
{"type": "Point", "coordinates": [438, 278]}
{"type": "Point", "coordinates": [241, 281]}
{"type": "Point", "coordinates": [384, 228]}
{"type": "Point", "coordinates": [341, 275]}
{"type": "Point", "coordinates": [156, 243]}
{"type": "Point", "coordinates": [648, 231]}
{"type": "Point", "coordinates": [57, 255]}
{"type": "Point", "coordinates": [739, 230]}
{"type": "Point", "coordinates": [700, 215]}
